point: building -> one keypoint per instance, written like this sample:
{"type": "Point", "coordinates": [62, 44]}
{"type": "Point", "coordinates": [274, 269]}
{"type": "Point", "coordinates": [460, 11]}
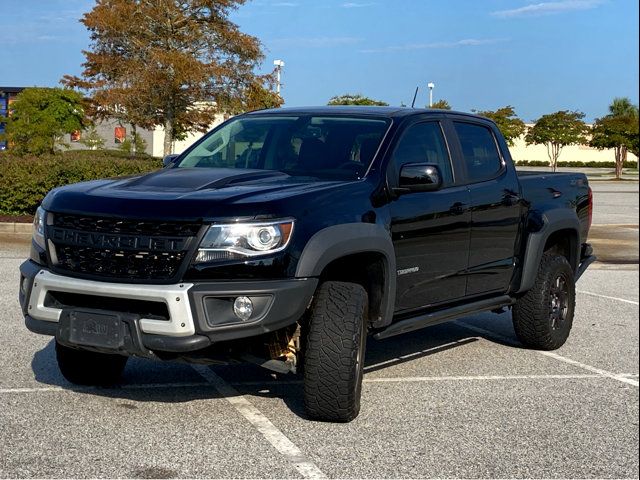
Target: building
{"type": "Point", "coordinates": [7, 96]}
{"type": "Point", "coordinates": [112, 132]}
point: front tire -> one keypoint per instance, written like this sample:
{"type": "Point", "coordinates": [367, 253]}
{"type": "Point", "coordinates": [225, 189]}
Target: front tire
{"type": "Point", "coordinates": [83, 367]}
{"type": "Point", "coordinates": [543, 317]}
{"type": "Point", "coordinates": [334, 352]}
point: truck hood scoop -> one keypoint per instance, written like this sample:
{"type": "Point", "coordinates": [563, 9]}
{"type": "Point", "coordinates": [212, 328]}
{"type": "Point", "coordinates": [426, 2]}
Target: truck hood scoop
{"type": "Point", "coordinates": [195, 179]}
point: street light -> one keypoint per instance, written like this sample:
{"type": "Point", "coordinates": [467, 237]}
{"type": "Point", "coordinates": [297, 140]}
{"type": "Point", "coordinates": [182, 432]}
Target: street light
{"type": "Point", "coordinates": [431, 86]}
{"type": "Point", "coordinates": [279, 64]}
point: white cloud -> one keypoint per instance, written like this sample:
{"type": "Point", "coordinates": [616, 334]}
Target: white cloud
{"type": "Point", "coordinates": [314, 42]}
{"type": "Point", "coordinates": [467, 42]}
{"type": "Point", "coordinates": [356, 5]}
{"type": "Point", "coordinates": [548, 8]}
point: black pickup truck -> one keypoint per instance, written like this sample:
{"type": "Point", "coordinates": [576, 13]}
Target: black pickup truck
{"type": "Point", "coordinates": [286, 237]}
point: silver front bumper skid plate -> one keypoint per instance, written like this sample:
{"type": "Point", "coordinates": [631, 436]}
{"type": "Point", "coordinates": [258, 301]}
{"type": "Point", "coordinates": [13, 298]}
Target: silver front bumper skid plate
{"type": "Point", "coordinates": [180, 323]}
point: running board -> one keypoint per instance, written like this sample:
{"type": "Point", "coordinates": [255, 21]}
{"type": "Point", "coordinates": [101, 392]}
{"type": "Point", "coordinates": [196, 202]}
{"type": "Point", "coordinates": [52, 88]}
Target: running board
{"type": "Point", "coordinates": [442, 316]}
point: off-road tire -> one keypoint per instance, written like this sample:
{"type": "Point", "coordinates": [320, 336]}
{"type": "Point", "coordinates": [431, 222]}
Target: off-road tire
{"type": "Point", "coordinates": [83, 367]}
{"type": "Point", "coordinates": [538, 321]}
{"type": "Point", "coordinates": [334, 352]}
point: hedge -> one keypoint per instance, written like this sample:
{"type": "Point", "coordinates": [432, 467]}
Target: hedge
{"type": "Point", "coordinates": [544, 163]}
{"type": "Point", "coordinates": [24, 181]}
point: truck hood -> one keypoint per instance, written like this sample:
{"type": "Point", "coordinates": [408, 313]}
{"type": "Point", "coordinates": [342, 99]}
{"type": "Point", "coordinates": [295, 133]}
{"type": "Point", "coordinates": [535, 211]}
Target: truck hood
{"type": "Point", "coordinates": [186, 193]}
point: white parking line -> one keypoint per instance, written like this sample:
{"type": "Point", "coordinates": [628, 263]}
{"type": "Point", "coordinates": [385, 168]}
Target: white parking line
{"type": "Point", "coordinates": [479, 378]}
{"type": "Point", "coordinates": [422, 352]}
{"type": "Point", "coordinates": [269, 431]}
{"type": "Point", "coordinates": [599, 371]}
{"type": "Point", "coordinates": [632, 302]}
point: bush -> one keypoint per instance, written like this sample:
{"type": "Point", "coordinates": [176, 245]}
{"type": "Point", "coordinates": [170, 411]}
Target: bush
{"type": "Point", "coordinates": [25, 180]}
{"type": "Point", "coordinates": [578, 164]}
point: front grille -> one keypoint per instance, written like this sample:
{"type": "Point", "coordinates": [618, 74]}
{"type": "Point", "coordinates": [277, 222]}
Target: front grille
{"type": "Point", "coordinates": [125, 226]}
{"type": "Point", "coordinates": [131, 250]}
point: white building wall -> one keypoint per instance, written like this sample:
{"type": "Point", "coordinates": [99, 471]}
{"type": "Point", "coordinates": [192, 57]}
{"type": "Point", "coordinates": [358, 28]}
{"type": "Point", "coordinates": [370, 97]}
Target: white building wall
{"type": "Point", "coordinates": [575, 153]}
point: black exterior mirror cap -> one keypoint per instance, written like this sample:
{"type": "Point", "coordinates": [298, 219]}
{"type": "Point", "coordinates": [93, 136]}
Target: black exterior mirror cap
{"type": "Point", "coordinates": [419, 177]}
{"type": "Point", "coordinates": [169, 160]}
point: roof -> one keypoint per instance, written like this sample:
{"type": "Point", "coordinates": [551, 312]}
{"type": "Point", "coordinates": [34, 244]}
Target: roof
{"type": "Point", "coordinates": [390, 112]}
{"type": "Point", "coordinates": [11, 89]}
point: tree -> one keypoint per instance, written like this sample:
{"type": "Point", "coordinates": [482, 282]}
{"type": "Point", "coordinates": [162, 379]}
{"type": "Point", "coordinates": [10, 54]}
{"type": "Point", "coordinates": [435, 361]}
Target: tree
{"type": "Point", "coordinates": [507, 121]}
{"type": "Point", "coordinates": [621, 106]}
{"type": "Point", "coordinates": [133, 144]}
{"type": "Point", "coordinates": [355, 99]}
{"type": "Point", "coordinates": [259, 95]}
{"type": "Point", "coordinates": [440, 105]}
{"type": "Point", "coordinates": [39, 117]}
{"type": "Point", "coordinates": [92, 140]}
{"type": "Point", "coordinates": [618, 131]}
{"type": "Point", "coordinates": [556, 131]}
{"type": "Point", "coordinates": [170, 63]}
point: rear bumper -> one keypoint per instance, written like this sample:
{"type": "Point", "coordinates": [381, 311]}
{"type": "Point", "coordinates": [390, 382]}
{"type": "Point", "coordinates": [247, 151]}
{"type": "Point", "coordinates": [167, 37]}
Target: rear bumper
{"type": "Point", "coordinates": [197, 314]}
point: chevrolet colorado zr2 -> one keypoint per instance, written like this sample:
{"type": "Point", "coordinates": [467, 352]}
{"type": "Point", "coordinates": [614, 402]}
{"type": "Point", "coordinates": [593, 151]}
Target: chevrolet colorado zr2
{"type": "Point", "coordinates": [287, 237]}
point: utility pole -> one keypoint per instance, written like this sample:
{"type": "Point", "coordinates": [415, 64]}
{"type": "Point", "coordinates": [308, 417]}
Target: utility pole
{"type": "Point", "coordinates": [431, 86]}
{"type": "Point", "coordinates": [279, 64]}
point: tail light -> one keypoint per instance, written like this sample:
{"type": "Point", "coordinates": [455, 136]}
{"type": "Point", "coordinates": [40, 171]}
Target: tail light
{"type": "Point", "coordinates": [590, 209]}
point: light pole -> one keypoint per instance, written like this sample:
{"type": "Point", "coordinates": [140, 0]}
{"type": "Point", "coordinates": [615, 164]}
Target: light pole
{"type": "Point", "coordinates": [431, 86]}
{"type": "Point", "coordinates": [279, 64]}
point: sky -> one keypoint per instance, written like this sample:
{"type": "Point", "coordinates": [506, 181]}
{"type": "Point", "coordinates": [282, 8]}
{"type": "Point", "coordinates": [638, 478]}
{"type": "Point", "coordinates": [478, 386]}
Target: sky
{"type": "Point", "coordinates": [538, 56]}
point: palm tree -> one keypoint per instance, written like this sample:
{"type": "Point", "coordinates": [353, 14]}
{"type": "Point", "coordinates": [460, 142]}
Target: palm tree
{"type": "Point", "coordinates": [623, 107]}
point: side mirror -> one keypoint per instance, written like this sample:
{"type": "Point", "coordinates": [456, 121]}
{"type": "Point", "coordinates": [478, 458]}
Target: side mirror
{"type": "Point", "coordinates": [169, 160]}
{"type": "Point", "coordinates": [419, 177]}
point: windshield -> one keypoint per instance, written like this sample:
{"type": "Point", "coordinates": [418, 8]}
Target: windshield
{"type": "Point", "coordinates": [322, 147]}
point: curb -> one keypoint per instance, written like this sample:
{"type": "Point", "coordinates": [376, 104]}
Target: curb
{"type": "Point", "coordinates": [16, 228]}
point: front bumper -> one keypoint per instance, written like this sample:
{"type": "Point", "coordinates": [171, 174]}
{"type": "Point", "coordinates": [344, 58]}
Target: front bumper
{"type": "Point", "coordinates": [196, 315]}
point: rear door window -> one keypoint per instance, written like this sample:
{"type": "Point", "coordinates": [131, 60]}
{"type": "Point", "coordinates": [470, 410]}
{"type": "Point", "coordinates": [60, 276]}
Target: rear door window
{"type": "Point", "coordinates": [480, 151]}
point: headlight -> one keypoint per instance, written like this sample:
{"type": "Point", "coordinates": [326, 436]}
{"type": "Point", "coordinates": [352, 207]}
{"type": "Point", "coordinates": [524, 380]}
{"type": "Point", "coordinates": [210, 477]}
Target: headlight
{"type": "Point", "coordinates": [39, 222]}
{"type": "Point", "coordinates": [240, 240]}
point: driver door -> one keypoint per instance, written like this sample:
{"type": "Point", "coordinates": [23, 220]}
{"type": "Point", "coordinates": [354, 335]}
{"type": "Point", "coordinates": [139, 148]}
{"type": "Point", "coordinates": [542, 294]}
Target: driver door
{"type": "Point", "coordinates": [430, 230]}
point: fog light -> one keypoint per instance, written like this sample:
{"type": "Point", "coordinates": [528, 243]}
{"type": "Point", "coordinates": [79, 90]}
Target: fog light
{"type": "Point", "coordinates": [243, 308]}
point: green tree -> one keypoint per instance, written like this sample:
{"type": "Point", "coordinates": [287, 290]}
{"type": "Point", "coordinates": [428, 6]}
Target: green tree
{"type": "Point", "coordinates": [40, 117]}
{"type": "Point", "coordinates": [170, 63]}
{"type": "Point", "coordinates": [92, 140]}
{"type": "Point", "coordinates": [617, 131]}
{"type": "Point", "coordinates": [133, 144]}
{"type": "Point", "coordinates": [440, 105]}
{"type": "Point", "coordinates": [621, 106]}
{"type": "Point", "coordinates": [556, 131]}
{"type": "Point", "coordinates": [356, 99]}
{"type": "Point", "coordinates": [507, 121]}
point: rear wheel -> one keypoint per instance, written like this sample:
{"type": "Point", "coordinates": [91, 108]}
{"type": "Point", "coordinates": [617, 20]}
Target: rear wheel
{"type": "Point", "coordinates": [334, 352]}
{"type": "Point", "coordinates": [543, 317]}
{"type": "Point", "coordinates": [83, 367]}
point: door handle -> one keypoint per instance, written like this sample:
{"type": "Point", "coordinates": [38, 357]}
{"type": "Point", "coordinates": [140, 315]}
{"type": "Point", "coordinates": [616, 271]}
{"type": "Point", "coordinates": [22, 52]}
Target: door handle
{"type": "Point", "coordinates": [510, 199]}
{"type": "Point", "coordinates": [458, 208]}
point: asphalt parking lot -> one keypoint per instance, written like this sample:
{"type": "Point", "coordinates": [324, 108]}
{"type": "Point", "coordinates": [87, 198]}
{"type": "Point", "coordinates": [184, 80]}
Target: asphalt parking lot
{"type": "Point", "coordinates": [455, 400]}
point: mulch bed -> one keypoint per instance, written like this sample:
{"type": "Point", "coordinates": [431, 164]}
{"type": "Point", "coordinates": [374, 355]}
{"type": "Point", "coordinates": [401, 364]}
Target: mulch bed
{"type": "Point", "coordinates": [16, 218]}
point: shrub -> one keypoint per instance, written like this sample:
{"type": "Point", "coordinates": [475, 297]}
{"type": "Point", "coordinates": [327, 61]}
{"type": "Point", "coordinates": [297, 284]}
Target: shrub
{"type": "Point", "coordinates": [574, 164]}
{"type": "Point", "coordinates": [24, 181]}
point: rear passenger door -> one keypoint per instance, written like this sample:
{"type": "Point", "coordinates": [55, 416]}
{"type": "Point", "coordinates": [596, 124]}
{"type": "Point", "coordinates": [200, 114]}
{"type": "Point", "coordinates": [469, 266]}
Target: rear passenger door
{"type": "Point", "coordinates": [495, 207]}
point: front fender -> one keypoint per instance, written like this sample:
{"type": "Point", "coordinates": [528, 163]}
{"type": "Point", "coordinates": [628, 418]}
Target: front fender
{"type": "Point", "coordinates": [338, 241]}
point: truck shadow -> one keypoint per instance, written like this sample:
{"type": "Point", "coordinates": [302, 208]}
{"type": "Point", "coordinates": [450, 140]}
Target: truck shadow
{"type": "Point", "coordinates": [174, 382]}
